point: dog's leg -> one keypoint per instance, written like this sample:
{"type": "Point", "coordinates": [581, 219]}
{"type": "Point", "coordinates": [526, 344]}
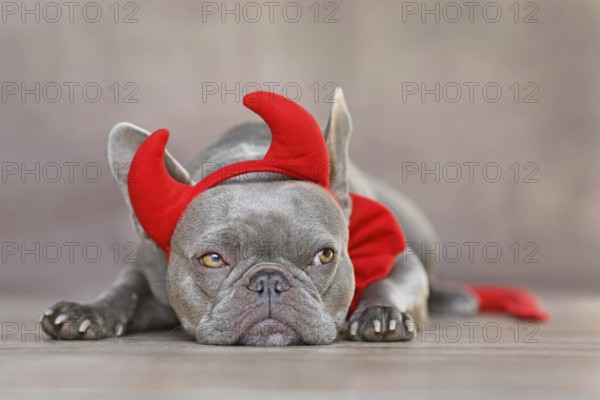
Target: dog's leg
{"type": "Point", "coordinates": [134, 302]}
{"type": "Point", "coordinates": [127, 306]}
{"type": "Point", "coordinates": [390, 309]}
{"type": "Point", "coordinates": [445, 299]}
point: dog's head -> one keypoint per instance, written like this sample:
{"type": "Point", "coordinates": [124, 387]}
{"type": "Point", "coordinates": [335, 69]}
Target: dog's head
{"type": "Point", "coordinates": [257, 261]}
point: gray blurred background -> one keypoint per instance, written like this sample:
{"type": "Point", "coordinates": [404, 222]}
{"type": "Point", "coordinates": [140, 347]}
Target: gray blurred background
{"type": "Point", "coordinates": [541, 133]}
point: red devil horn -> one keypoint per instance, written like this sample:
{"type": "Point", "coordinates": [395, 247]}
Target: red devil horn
{"type": "Point", "coordinates": [297, 149]}
{"type": "Point", "coordinates": [298, 145]}
{"type": "Point", "coordinates": [157, 199]}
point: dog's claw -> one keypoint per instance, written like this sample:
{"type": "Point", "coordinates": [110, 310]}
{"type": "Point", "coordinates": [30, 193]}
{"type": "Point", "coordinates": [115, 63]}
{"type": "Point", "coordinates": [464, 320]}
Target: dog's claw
{"type": "Point", "coordinates": [84, 326]}
{"type": "Point", "coordinates": [46, 314]}
{"type": "Point", "coordinates": [119, 329]}
{"type": "Point", "coordinates": [81, 322]}
{"type": "Point", "coordinates": [381, 324]}
{"type": "Point", "coordinates": [353, 328]}
{"type": "Point", "coordinates": [392, 325]}
{"type": "Point", "coordinates": [377, 326]}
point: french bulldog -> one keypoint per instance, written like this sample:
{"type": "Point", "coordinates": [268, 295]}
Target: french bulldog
{"type": "Point", "coordinates": [264, 261]}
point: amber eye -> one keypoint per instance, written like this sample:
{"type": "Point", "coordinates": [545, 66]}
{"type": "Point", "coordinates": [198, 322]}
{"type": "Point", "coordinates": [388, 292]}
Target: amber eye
{"type": "Point", "coordinates": [212, 260]}
{"type": "Point", "coordinates": [324, 256]}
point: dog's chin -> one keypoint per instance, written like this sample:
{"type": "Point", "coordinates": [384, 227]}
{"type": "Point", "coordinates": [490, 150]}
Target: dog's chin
{"type": "Point", "coordinates": [270, 332]}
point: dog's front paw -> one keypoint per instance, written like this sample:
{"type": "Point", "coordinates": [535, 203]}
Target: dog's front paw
{"type": "Point", "coordinates": [67, 320]}
{"type": "Point", "coordinates": [381, 324]}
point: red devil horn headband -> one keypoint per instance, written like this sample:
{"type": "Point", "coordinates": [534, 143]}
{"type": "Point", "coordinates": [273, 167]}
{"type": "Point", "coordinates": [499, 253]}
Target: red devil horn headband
{"type": "Point", "coordinates": [297, 150]}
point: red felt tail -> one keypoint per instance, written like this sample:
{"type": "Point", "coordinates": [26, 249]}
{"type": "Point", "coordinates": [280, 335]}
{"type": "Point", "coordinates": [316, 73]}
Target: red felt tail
{"type": "Point", "coordinates": [515, 301]}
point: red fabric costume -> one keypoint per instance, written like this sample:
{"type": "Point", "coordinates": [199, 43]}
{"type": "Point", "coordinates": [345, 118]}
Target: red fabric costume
{"type": "Point", "coordinates": [298, 150]}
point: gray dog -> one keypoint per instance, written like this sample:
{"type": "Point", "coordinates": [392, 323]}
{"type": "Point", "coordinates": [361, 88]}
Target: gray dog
{"type": "Point", "coordinates": [270, 295]}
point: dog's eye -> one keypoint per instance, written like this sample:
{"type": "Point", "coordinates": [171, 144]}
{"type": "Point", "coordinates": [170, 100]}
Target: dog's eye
{"type": "Point", "coordinates": [324, 256]}
{"type": "Point", "coordinates": [212, 260]}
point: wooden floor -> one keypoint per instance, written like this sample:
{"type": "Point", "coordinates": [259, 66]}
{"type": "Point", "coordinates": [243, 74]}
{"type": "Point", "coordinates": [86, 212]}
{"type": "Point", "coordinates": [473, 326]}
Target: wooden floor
{"type": "Point", "coordinates": [489, 357]}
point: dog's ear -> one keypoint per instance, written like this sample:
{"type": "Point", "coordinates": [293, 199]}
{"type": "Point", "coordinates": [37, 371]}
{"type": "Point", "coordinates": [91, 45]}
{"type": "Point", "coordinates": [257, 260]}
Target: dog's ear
{"type": "Point", "coordinates": [123, 142]}
{"type": "Point", "coordinates": [337, 134]}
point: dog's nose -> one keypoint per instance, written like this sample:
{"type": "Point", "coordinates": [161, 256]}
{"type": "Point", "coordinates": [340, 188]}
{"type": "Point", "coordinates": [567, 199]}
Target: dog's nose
{"type": "Point", "coordinates": [268, 283]}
